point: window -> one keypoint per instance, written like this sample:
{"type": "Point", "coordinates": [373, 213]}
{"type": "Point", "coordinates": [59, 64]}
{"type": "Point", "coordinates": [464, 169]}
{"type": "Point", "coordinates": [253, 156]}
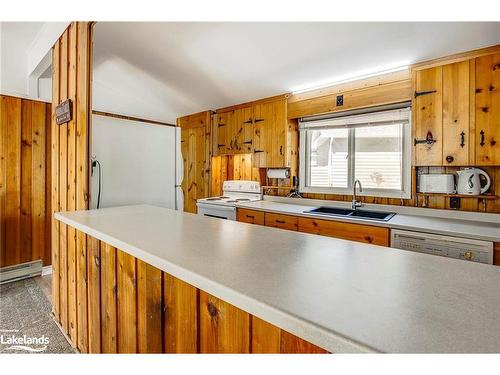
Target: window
{"type": "Point", "coordinates": [373, 147]}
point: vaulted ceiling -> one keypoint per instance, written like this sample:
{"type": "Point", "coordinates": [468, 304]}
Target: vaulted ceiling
{"type": "Point", "coordinates": [165, 70]}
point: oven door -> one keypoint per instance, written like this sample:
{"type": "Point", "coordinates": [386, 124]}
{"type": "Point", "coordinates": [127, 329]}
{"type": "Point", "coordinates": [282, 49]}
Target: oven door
{"type": "Point", "coordinates": [218, 211]}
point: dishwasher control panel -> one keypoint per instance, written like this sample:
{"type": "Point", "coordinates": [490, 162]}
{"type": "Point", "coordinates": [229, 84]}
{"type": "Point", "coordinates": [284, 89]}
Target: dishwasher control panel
{"type": "Point", "coordinates": [452, 247]}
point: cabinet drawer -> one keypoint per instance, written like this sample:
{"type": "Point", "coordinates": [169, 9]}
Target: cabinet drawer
{"type": "Point", "coordinates": [251, 216]}
{"type": "Point", "coordinates": [346, 231]}
{"type": "Point", "coordinates": [281, 221]}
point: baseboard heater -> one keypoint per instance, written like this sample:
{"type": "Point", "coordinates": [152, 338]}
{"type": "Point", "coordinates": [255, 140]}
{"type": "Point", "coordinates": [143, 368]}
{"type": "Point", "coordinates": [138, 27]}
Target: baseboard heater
{"type": "Point", "coordinates": [20, 271]}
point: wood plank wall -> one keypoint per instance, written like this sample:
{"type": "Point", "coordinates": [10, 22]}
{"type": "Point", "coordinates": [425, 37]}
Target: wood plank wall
{"type": "Point", "coordinates": [25, 166]}
{"type": "Point", "coordinates": [133, 307]}
{"type": "Point", "coordinates": [71, 74]}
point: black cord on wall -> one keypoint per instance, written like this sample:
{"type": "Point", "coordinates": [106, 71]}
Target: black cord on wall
{"type": "Point", "coordinates": [96, 163]}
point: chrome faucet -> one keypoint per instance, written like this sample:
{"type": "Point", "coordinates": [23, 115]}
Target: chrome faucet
{"type": "Point", "coordinates": [355, 203]}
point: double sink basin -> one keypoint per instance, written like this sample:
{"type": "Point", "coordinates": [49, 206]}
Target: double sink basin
{"type": "Point", "coordinates": [344, 212]}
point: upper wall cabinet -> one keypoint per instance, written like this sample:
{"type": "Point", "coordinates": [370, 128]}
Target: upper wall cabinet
{"type": "Point", "coordinates": [441, 107]}
{"type": "Point", "coordinates": [261, 129]}
{"type": "Point", "coordinates": [487, 109]}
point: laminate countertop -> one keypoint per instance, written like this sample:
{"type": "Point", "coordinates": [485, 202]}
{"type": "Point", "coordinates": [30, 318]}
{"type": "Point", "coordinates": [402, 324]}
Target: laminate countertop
{"type": "Point", "coordinates": [341, 295]}
{"type": "Point", "coordinates": [486, 231]}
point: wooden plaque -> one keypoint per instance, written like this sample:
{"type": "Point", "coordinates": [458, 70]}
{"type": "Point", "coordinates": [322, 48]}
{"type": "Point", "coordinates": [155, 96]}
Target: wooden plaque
{"type": "Point", "coordinates": [63, 112]}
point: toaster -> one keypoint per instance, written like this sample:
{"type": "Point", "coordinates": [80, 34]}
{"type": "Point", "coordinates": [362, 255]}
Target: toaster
{"type": "Point", "coordinates": [437, 183]}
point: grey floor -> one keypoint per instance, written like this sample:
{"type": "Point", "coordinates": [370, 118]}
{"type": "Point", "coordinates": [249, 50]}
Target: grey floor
{"type": "Point", "coordinates": [26, 323]}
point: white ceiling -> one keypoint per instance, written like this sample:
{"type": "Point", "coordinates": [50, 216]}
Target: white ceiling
{"type": "Point", "coordinates": [166, 70]}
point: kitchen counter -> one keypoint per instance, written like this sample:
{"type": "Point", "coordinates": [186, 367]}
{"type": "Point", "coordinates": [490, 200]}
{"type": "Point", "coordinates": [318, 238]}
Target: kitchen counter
{"type": "Point", "coordinates": [487, 231]}
{"type": "Point", "coordinates": [340, 295]}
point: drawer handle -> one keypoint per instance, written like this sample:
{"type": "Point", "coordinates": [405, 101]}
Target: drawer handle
{"type": "Point", "coordinates": [280, 221]}
{"type": "Point", "coordinates": [462, 139]}
{"type": "Point", "coordinates": [250, 216]}
{"type": "Point", "coordinates": [482, 143]}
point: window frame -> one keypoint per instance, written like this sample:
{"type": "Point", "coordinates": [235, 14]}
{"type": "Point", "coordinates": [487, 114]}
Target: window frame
{"type": "Point", "coordinates": [304, 160]}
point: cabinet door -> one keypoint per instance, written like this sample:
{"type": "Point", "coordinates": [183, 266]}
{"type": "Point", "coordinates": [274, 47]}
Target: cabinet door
{"type": "Point", "coordinates": [347, 231]}
{"type": "Point", "coordinates": [456, 114]}
{"type": "Point", "coordinates": [222, 133]}
{"type": "Point", "coordinates": [488, 110]}
{"type": "Point", "coordinates": [242, 130]}
{"type": "Point", "coordinates": [428, 116]}
{"type": "Point", "coordinates": [245, 139]}
{"type": "Point", "coordinates": [270, 134]}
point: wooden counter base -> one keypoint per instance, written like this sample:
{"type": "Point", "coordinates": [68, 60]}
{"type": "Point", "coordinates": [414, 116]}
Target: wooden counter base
{"type": "Point", "coordinates": [120, 304]}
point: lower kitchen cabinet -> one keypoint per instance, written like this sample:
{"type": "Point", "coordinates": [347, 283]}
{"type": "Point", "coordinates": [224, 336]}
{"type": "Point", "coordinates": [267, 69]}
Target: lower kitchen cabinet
{"type": "Point", "coordinates": [281, 221]}
{"type": "Point", "coordinates": [347, 231]}
{"type": "Point", "coordinates": [250, 216]}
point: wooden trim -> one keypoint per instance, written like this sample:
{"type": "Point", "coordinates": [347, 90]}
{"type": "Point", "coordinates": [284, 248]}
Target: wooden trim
{"type": "Point", "coordinates": [24, 97]}
{"type": "Point", "coordinates": [130, 118]}
{"type": "Point", "coordinates": [457, 57]}
{"type": "Point", "coordinates": [362, 83]}
{"type": "Point", "coordinates": [248, 104]}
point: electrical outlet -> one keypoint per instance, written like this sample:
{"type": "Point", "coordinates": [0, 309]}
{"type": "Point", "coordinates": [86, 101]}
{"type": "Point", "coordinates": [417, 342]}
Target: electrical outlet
{"type": "Point", "coordinates": [455, 203]}
{"type": "Point", "coordinates": [340, 100]}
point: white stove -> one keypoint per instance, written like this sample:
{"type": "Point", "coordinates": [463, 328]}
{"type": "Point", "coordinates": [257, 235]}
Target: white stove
{"type": "Point", "coordinates": [233, 192]}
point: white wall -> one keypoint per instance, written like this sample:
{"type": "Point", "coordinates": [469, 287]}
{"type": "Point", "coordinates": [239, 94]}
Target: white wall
{"type": "Point", "coordinates": [25, 56]}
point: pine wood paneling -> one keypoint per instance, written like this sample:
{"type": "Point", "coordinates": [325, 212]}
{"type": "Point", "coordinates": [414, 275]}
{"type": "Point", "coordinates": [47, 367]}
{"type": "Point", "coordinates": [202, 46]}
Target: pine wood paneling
{"type": "Point", "coordinates": [223, 327]}
{"type": "Point", "coordinates": [93, 294]}
{"type": "Point", "coordinates": [487, 98]}
{"type": "Point", "coordinates": [428, 115]}
{"type": "Point", "coordinates": [195, 148]}
{"type": "Point", "coordinates": [149, 308]}
{"type": "Point", "coordinates": [291, 344]}
{"type": "Point", "coordinates": [265, 337]}
{"type": "Point", "coordinates": [180, 324]}
{"type": "Point", "coordinates": [75, 279]}
{"type": "Point", "coordinates": [11, 125]}
{"type": "Point", "coordinates": [108, 299]}
{"type": "Point", "coordinates": [391, 92]}
{"type": "Point", "coordinates": [456, 113]}
{"type": "Point", "coordinates": [127, 303]}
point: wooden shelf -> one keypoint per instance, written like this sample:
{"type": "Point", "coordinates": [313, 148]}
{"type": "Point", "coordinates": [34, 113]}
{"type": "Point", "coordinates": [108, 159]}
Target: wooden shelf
{"type": "Point", "coordinates": [485, 196]}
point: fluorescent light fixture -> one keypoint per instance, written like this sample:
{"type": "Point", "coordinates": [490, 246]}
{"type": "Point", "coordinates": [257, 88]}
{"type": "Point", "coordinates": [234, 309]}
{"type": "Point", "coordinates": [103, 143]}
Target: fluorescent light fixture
{"type": "Point", "coordinates": [351, 77]}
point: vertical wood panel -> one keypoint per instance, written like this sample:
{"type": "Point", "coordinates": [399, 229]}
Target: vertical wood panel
{"type": "Point", "coordinates": [47, 259]}
{"type": "Point", "coordinates": [63, 185]}
{"type": "Point", "coordinates": [81, 292]}
{"type": "Point", "coordinates": [265, 337]}
{"type": "Point", "coordinates": [55, 183]}
{"type": "Point", "coordinates": [26, 171]}
{"type": "Point", "coordinates": [127, 307]}
{"type": "Point", "coordinates": [180, 316]}
{"type": "Point", "coordinates": [108, 299]}
{"type": "Point", "coordinates": [12, 123]}
{"type": "Point", "coordinates": [456, 113]}
{"type": "Point", "coordinates": [3, 177]}
{"type": "Point", "coordinates": [38, 186]}
{"type": "Point", "coordinates": [149, 308]}
{"type": "Point", "coordinates": [291, 344]}
{"type": "Point", "coordinates": [223, 327]}
{"type": "Point", "coordinates": [71, 187]}
{"type": "Point", "coordinates": [94, 297]}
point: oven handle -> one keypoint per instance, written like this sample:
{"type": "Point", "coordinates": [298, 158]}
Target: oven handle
{"type": "Point", "coordinates": [218, 217]}
{"type": "Point", "coordinates": [217, 207]}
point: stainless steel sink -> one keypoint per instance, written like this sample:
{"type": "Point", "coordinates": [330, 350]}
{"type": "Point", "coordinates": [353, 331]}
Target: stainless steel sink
{"type": "Point", "coordinates": [344, 212]}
